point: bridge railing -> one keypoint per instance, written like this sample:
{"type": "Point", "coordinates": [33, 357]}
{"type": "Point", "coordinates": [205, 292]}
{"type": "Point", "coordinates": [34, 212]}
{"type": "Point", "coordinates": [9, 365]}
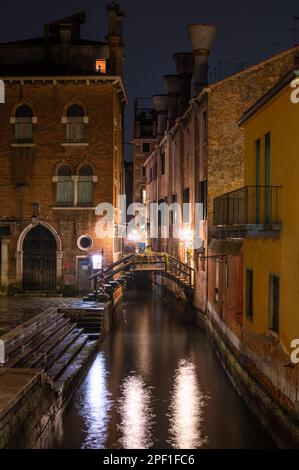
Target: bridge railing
{"type": "Point", "coordinates": [155, 262]}
{"type": "Point", "coordinates": [109, 271]}
{"type": "Point", "coordinates": [179, 268]}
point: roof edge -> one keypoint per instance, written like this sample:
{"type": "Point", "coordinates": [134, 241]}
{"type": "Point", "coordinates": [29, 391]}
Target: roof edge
{"type": "Point", "coordinates": [261, 102]}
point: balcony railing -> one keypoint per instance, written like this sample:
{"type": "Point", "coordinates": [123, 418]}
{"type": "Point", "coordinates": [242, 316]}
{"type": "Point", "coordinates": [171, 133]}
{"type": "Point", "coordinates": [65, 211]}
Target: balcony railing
{"type": "Point", "coordinates": [248, 206]}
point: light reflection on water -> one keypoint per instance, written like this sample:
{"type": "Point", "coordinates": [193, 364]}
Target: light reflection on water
{"type": "Point", "coordinates": [136, 415]}
{"type": "Point", "coordinates": [186, 409]}
{"type": "Point", "coordinates": [95, 405]}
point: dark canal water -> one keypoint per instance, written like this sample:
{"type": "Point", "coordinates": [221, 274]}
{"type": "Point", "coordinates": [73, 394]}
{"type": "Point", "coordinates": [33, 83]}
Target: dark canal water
{"type": "Point", "coordinates": [157, 382]}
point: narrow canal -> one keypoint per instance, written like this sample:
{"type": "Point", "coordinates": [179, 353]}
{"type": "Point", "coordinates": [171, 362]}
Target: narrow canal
{"type": "Point", "coordinates": [157, 382]}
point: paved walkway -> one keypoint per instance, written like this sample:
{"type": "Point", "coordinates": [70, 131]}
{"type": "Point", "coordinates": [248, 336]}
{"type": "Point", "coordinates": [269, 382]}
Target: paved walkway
{"type": "Point", "coordinates": [16, 310]}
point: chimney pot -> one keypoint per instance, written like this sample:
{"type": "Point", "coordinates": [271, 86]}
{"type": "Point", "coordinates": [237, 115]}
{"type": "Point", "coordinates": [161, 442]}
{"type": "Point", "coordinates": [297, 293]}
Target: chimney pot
{"type": "Point", "coordinates": [161, 106]}
{"type": "Point", "coordinates": [172, 84]}
{"type": "Point", "coordinates": [201, 38]}
{"type": "Point", "coordinates": [184, 62]}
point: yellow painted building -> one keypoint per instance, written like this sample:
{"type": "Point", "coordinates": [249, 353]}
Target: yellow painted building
{"type": "Point", "coordinates": [271, 207]}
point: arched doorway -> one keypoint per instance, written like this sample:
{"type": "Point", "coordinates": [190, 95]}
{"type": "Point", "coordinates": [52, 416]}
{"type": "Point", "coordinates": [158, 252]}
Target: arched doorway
{"type": "Point", "coordinates": [39, 260]}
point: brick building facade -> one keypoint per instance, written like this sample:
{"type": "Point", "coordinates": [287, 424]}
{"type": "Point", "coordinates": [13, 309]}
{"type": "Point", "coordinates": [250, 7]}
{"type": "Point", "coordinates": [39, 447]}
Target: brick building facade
{"type": "Point", "coordinates": [203, 149]}
{"type": "Point", "coordinates": [61, 153]}
{"type": "Point", "coordinates": [145, 138]}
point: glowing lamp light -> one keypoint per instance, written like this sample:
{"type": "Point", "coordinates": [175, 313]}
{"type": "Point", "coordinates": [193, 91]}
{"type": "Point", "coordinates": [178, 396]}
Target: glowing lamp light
{"type": "Point", "coordinates": [97, 261]}
{"type": "Point", "coordinates": [134, 236]}
{"type": "Point", "coordinates": [187, 235]}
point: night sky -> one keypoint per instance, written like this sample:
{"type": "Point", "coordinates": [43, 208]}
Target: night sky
{"type": "Point", "coordinates": [156, 29]}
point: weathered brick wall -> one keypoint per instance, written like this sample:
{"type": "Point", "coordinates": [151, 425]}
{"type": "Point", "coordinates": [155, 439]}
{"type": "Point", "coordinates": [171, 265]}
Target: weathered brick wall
{"type": "Point", "coordinates": [227, 101]}
{"type": "Point", "coordinates": [35, 167]}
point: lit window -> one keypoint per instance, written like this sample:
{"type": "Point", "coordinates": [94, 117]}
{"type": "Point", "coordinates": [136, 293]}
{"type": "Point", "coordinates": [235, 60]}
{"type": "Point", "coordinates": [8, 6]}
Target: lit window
{"type": "Point", "coordinates": [101, 65]}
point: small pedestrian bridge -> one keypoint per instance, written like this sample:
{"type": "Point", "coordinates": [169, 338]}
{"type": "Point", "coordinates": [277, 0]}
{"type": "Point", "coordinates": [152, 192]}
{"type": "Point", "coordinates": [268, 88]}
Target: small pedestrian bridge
{"type": "Point", "coordinates": [160, 263]}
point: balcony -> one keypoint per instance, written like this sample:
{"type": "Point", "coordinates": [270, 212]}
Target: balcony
{"type": "Point", "coordinates": [252, 211]}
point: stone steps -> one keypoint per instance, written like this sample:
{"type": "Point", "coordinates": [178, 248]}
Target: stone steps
{"type": "Point", "coordinates": [17, 339]}
{"type": "Point", "coordinates": [73, 373]}
{"type": "Point", "coordinates": [36, 342]}
{"type": "Point", "coordinates": [65, 360]}
{"type": "Point", "coordinates": [53, 348]}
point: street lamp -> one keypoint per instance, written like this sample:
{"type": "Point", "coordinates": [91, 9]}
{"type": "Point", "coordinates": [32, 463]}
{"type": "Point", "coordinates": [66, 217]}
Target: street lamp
{"type": "Point", "coordinates": [135, 236]}
{"type": "Point", "coordinates": [97, 262]}
{"type": "Point", "coordinates": [187, 237]}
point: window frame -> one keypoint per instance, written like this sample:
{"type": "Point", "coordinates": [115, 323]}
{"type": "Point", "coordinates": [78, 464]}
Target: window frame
{"type": "Point", "coordinates": [274, 318]}
{"type": "Point", "coordinates": [249, 299]}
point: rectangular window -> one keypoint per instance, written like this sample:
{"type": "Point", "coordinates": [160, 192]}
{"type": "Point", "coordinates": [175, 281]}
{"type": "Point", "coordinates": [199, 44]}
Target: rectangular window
{"type": "Point", "coordinates": [85, 191]}
{"type": "Point", "coordinates": [23, 129]}
{"type": "Point", "coordinates": [172, 214]}
{"type": "Point", "coordinates": [75, 129]}
{"type": "Point", "coordinates": [274, 303]}
{"type": "Point", "coordinates": [146, 147]}
{"type": "Point", "coordinates": [64, 195]}
{"type": "Point", "coordinates": [143, 196]}
{"type": "Point", "coordinates": [143, 173]}
{"type": "Point", "coordinates": [162, 163]}
{"type": "Point", "coordinates": [258, 179]}
{"type": "Point", "coordinates": [267, 179]}
{"type": "Point", "coordinates": [186, 209]}
{"type": "Point", "coordinates": [203, 187]}
{"type": "Point", "coordinates": [204, 137]}
{"type": "Point", "coordinates": [101, 65]}
{"type": "Point", "coordinates": [249, 293]}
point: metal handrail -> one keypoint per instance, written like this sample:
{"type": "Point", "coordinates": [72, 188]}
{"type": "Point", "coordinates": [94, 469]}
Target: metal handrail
{"type": "Point", "coordinates": [248, 205]}
{"type": "Point", "coordinates": [113, 265]}
{"type": "Point", "coordinates": [180, 262]}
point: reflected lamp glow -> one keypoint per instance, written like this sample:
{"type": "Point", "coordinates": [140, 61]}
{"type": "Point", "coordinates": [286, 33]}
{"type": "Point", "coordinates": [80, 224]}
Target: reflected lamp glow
{"type": "Point", "coordinates": [186, 409]}
{"type": "Point", "coordinates": [97, 261]}
{"type": "Point", "coordinates": [136, 414]}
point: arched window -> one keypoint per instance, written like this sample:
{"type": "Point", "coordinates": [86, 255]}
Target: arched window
{"type": "Point", "coordinates": [75, 124]}
{"type": "Point", "coordinates": [85, 186]}
{"type": "Point", "coordinates": [65, 190]}
{"type": "Point", "coordinates": [23, 124]}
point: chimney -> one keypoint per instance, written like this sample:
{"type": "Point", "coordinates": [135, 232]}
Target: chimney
{"type": "Point", "coordinates": [115, 37]}
{"type": "Point", "coordinates": [172, 84]}
{"type": "Point", "coordinates": [201, 37]}
{"type": "Point", "coordinates": [65, 33]}
{"type": "Point", "coordinates": [184, 62]}
{"type": "Point", "coordinates": [161, 106]}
